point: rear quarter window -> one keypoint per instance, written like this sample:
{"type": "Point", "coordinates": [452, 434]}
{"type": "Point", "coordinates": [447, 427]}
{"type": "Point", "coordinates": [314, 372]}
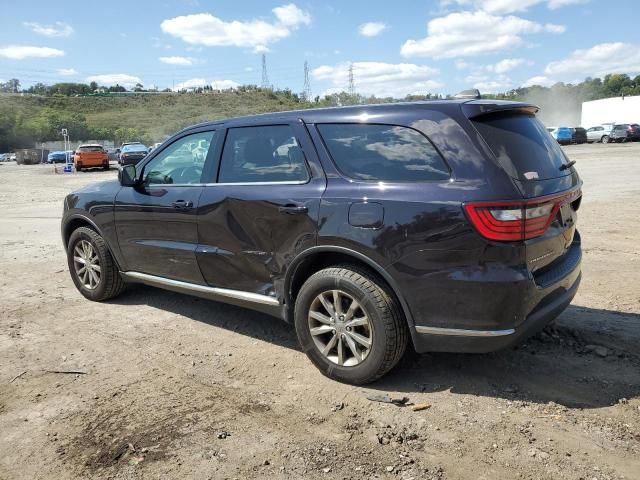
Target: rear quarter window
{"type": "Point", "coordinates": [373, 152]}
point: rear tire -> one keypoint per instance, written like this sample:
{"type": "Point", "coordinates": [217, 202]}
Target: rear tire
{"type": "Point", "coordinates": [605, 139]}
{"type": "Point", "coordinates": [87, 249]}
{"type": "Point", "coordinates": [377, 320]}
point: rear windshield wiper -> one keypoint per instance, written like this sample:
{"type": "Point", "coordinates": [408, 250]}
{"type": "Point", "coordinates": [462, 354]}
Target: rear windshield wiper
{"type": "Point", "coordinates": [567, 166]}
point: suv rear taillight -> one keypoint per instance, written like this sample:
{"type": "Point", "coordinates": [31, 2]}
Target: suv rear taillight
{"type": "Point", "coordinates": [517, 220]}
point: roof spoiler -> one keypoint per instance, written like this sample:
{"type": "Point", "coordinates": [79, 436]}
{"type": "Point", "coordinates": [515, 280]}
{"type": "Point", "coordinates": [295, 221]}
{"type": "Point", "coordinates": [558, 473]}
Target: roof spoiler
{"type": "Point", "coordinates": [474, 93]}
{"type": "Point", "coordinates": [474, 109]}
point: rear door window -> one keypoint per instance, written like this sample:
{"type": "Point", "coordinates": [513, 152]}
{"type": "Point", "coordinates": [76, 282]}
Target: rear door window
{"type": "Point", "coordinates": [373, 152]}
{"type": "Point", "coordinates": [269, 153]}
{"type": "Point", "coordinates": [522, 145]}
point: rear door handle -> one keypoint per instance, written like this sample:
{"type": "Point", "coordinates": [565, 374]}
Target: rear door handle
{"type": "Point", "coordinates": [182, 204]}
{"type": "Point", "coordinates": [292, 209]}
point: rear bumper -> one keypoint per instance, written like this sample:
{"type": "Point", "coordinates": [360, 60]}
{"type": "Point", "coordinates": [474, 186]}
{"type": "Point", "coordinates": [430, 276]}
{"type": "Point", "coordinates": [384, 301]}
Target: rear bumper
{"type": "Point", "coordinates": [541, 301]}
{"type": "Point", "coordinates": [478, 341]}
{"type": "Point", "coordinates": [130, 161]}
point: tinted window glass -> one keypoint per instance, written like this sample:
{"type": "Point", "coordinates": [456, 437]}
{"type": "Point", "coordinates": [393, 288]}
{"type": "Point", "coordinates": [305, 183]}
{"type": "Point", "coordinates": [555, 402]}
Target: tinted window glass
{"type": "Point", "coordinates": [383, 152]}
{"type": "Point", "coordinates": [262, 154]}
{"type": "Point", "coordinates": [522, 145]}
{"type": "Point", "coordinates": [181, 162]}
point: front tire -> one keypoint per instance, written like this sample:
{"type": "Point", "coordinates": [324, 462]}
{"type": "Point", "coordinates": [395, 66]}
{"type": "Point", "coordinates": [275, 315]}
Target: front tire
{"type": "Point", "coordinates": [605, 139]}
{"type": "Point", "coordinates": [350, 325]}
{"type": "Point", "coordinates": [92, 267]}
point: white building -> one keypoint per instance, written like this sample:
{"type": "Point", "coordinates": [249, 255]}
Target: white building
{"type": "Point", "coordinates": [611, 110]}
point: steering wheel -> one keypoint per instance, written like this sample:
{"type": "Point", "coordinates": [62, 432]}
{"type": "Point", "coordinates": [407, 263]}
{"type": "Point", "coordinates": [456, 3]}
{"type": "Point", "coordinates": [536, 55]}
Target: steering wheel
{"type": "Point", "coordinates": [187, 174]}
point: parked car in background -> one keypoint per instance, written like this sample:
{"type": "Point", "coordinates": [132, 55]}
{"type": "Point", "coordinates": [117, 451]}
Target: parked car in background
{"type": "Point", "coordinates": [619, 133]}
{"type": "Point", "coordinates": [57, 157]}
{"type": "Point", "coordinates": [132, 153]}
{"type": "Point", "coordinates": [5, 157]}
{"type": "Point", "coordinates": [13, 157]}
{"type": "Point", "coordinates": [633, 132]}
{"type": "Point", "coordinates": [124, 144]}
{"type": "Point", "coordinates": [579, 135]}
{"type": "Point", "coordinates": [563, 135]}
{"type": "Point", "coordinates": [599, 133]}
{"type": "Point", "coordinates": [447, 224]}
{"type": "Point", "coordinates": [90, 156]}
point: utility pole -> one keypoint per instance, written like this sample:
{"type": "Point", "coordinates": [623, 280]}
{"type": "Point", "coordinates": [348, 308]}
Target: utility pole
{"type": "Point", "coordinates": [306, 91]}
{"type": "Point", "coordinates": [265, 75]}
{"type": "Point", "coordinates": [352, 86]}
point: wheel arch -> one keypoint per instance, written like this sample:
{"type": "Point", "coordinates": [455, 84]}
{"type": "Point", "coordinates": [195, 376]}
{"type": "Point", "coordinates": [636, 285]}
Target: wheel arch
{"type": "Point", "coordinates": [317, 258]}
{"type": "Point", "coordinates": [75, 221]}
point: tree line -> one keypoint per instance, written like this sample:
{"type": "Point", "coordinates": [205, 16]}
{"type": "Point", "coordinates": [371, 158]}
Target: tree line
{"type": "Point", "coordinates": [18, 130]}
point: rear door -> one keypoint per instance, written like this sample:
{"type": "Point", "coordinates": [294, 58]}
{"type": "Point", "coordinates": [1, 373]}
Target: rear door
{"type": "Point", "coordinates": [156, 222]}
{"type": "Point", "coordinates": [261, 209]}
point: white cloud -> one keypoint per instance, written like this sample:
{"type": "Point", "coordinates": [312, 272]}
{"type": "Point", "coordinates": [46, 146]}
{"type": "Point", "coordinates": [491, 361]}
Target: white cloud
{"type": "Point", "coordinates": [181, 61]}
{"type": "Point", "coordinates": [191, 83]}
{"type": "Point", "coordinates": [123, 79]}
{"type": "Point", "coordinates": [506, 65]}
{"type": "Point", "coordinates": [248, 69]}
{"type": "Point", "coordinates": [205, 29]}
{"type": "Point", "coordinates": [554, 28]}
{"type": "Point", "coordinates": [19, 52]}
{"type": "Point", "coordinates": [371, 29]}
{"type": "Point", "coordinates": [291, 16]}
{"type": "Point", "coordinates": [472, 33]}
{"type": "Point", "coordinates": [539, 80]}
{"type": "Point", "coordinates": [380, 79]}
{"type": "Point", "coordinates": [498, 84]}
{"type": "Point", "coordinates": [201, 82]}
{"type": "Point", "coordinates": [67, 71]}
{"type": "Point", "coordinates": [598, 60]}
{"type": "Point", "coordinates": [509, 6]}
{"type": "Point", "coordinates": [58, 29]}
{"type": "Point", "coordinates": [223, 84]}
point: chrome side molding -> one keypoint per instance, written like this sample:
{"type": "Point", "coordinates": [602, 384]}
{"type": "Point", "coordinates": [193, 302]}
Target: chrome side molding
{"type": "Point", "coordinates": [464, 333]}
{"type": "Point", "coordinates": [193, 288]}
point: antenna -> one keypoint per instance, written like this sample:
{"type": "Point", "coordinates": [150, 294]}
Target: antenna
{"type": "Point", "coordinates": [352, 86]}
{"type": "Point", "coordinates": [265, 75]}
{"type": "Point", "coordinates": [306, 91]}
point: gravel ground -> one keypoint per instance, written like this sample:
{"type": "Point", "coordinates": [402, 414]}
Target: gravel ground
{"type": "Point", "coordinates": [171, 386]}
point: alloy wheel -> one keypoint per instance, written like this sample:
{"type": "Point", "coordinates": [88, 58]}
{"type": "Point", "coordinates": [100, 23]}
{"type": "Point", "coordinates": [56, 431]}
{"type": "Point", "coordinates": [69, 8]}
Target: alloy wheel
{"type": "Point", "coordinates": [340, 328]}
{"type": "Point", "coordinates": [87, 264]}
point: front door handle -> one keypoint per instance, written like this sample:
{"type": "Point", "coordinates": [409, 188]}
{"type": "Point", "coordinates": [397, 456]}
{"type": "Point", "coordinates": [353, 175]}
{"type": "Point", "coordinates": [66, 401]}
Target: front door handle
{"type": "Point", "coordinates": [292, 209]}
{"type": "Point", "coordinates": [179, 204]}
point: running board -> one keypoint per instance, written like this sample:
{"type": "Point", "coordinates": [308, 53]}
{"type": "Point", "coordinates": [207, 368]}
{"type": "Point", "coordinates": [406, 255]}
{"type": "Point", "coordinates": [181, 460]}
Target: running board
{"type": "Point", "coordinates": [255, 301]}
{"type": "Point", "coordinates": [464, 333]}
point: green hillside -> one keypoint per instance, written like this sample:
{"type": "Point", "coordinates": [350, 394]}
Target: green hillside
{"type": "Point", "coordinates": [25, 119]}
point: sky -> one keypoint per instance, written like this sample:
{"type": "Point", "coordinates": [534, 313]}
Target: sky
{"type": "Point", "coordinates": [395, 48]}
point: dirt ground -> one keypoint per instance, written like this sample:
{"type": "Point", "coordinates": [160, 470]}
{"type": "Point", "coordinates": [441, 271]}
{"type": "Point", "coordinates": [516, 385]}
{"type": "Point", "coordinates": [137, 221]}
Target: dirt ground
{"type": "Point", "coordinates": [177, 387]}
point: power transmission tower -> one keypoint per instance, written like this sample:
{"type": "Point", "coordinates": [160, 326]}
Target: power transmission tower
{"type": "Point", "coordinates": [352, 86]}
{"type": "Point", "coordinates": [265, 75]}
{"type": "Point", "coordinates": [306, 92]}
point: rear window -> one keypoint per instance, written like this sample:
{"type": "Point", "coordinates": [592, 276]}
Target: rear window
{"type": "Point", "coordinates": [91, 148]}
{"type": "Point", "coordinates": [383, 153]}
{"type": "Point", "coordinates": [522, 145]}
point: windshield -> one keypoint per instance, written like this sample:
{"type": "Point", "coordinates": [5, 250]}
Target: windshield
{"type": "Point", "coordinates": [522, 145]}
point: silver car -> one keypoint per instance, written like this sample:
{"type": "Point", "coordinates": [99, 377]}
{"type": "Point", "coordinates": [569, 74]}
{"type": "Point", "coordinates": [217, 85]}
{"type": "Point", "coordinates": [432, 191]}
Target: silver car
{"type": "Point", "coordinates": [600, 133]}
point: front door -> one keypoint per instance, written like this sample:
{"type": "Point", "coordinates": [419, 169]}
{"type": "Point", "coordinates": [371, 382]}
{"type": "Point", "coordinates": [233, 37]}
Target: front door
{"type": "Point", "coordinates": [263, 209]}
{"type": "Point", "coordinates": [156, 222]}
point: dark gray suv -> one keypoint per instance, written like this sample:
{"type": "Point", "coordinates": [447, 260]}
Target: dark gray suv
{"type": "Point", "coordinates": [450, 225]}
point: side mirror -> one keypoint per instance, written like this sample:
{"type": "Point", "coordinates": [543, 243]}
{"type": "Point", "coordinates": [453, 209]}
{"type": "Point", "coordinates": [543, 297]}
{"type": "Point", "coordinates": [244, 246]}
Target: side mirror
{"type": "Point", "coordinates": [127, 176]}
